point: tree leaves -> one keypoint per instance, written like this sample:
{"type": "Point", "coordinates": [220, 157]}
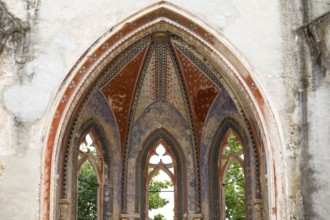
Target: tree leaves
{"type": "Point", "coordinates": [155, 187]}
{"type": "Point", "coordinates": [159, 217]}
{"type": "Point", "coordinates": [87, 192]}
{"type": "Point", "coordinates": [154, 199]}
{"type": "Point", "coordinates": [234, 184]}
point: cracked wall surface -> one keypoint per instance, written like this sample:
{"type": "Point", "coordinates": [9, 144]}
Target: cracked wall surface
{"type": "Point", "coordinates": [40, 40]}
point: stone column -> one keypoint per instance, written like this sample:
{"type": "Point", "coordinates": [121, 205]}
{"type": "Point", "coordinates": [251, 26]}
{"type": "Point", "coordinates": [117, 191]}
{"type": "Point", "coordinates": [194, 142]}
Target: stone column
{"type": "Point", "coordinates": [257, 204]}
{"type": "Point", "coordinates": [65, 209]}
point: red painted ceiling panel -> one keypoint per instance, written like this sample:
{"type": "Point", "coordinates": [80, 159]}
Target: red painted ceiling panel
{"type": "Point", "coordinates": [120, 91]}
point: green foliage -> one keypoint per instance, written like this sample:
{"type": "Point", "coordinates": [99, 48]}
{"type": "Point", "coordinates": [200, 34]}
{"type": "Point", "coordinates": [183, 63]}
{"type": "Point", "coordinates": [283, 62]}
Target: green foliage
{"type": "Point", "coordinates": [234, 185]}
{"type": "Point", "coordinates": [234, 192]}
{"type": "Point", "coordinates": [155, 201]}
{"type": "Point", "coordinates": [87, 193]}
{"type": "Point", "coordinates": [233, 145]}
{"type": "Point", "coordinates": [159, 217]}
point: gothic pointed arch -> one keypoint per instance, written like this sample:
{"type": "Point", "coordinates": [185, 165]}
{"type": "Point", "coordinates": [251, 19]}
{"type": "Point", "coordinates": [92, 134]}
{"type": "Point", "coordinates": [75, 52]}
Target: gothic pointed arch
{"type": "Point", "coordinates": [87, 144]}
{"type": "Point", "coordinates": [161, 56]}
{"type": "Point", "coordinates": [161, 136]}
{"type": "Point", "coordinates": [221, 156]}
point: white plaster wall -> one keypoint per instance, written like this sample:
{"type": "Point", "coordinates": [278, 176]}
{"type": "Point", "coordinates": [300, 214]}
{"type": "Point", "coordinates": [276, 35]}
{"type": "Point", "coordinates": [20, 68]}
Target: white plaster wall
{"type": "Point", "coordinates": [318, 8]}
{"type": "Point", "coordinates": [64, 30]}
{"type": "Point", "coordinates": [61, 31]}
{"type": "Point", "coordinates": [256, 32]}
{"type": "Point", "coordinates": [319, 129]}
{"type": "Point", "coordinates": [319, 140]}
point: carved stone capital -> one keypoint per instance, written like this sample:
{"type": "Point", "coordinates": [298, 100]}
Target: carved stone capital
{"type": "Point", "coordinates": [197, 216]}
{"type": "Point", "coordinates": [257, 204]}
{"type": "Point", "coordinates": [125, 216]}
{"type": "Point", "coordinates": [65, 208]}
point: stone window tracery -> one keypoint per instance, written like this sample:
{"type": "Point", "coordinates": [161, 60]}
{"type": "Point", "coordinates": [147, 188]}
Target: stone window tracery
{"type": "Point", "coordinates": [173, 167]}
{"type": "Point", "coordinates": [90, 178]}
{"type": "Point", "coordinates": [87, 175]}
{"type": "Point", "coordinates": [161, 167]}
{"type": "Point", "coordinates": [233, 180]}
{"type": "Point", "coordinates": [231, 177]}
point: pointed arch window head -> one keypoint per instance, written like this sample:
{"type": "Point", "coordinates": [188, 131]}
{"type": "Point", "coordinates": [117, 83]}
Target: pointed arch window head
{"type": "Point", "coordinates": [161, 156]}
{"type": "Point", "coordinates": [161, 182]}
{"type": "Point", "coordinates": [233, 145]}
{"type": "Point", "coordinates": [231, 179]}
{"type": "Point", "coordinates": [87, 145]}
{"type": "Point", "coordinates": [90, 150]}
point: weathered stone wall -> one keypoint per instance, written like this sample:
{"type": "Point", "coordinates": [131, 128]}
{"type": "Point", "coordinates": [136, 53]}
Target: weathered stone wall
{"type": "Point", "coordinates": [306, 74]}
{"type": "Point", "coordinates": [161, 116]}
{"type": "Point", "coordinates": [314, 38]}
{"type": "Point", "coordinates": [40, 40]}
{"type": "Point", "coordinates": [222, 108]}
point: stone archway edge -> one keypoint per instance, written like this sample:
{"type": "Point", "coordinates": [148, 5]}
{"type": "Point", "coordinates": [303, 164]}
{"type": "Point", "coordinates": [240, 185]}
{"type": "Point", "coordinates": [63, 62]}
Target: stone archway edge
{"type": "Point", "coordinates": [78, 78]}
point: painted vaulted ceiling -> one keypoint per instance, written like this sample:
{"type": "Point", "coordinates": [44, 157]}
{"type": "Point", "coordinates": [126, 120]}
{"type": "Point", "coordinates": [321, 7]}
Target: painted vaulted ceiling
{"type": "Point", "coordinates": [161, 67]}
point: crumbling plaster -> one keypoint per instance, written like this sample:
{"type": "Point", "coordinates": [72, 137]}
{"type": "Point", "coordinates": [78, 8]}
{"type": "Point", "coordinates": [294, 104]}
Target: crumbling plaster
{"type": "Point", "coordinates": [60, 31]}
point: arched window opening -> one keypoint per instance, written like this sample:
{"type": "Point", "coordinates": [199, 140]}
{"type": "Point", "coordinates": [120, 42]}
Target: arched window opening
{"type": "Point", "coordinates": [161, 183]}
{"type": "Point", "coordinates": [231, 180]}
{"type": "Point", "coordinates": [90, 178]}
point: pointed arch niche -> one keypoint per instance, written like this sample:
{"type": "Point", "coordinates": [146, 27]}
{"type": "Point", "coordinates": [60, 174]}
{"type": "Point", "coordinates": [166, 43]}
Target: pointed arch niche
{"type": "Point", "coordinates": [107, 84]}
{"type": "Point", "coordinates": [175, 168]}
{"type": "Point", "coordinates": [232, 153]}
